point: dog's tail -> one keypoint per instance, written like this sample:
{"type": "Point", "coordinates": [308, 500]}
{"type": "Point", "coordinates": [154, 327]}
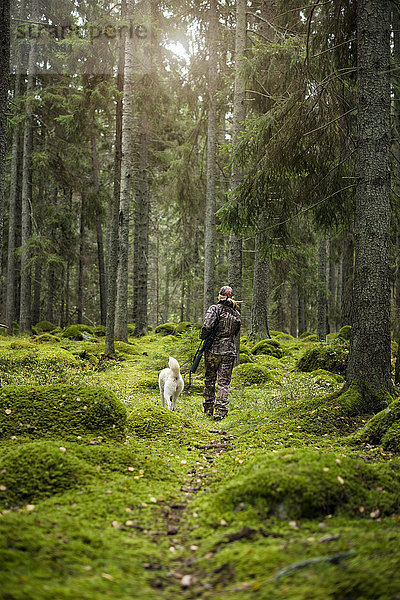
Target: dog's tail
{"type": "Point", "coordinates": [174, 366]}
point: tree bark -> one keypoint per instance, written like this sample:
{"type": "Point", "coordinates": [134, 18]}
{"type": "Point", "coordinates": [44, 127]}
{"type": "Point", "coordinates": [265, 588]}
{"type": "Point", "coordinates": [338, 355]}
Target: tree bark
{"type": "Point", "coordinates": [25, 293]}
{"type": "Point", "coordinates": [209, 221]}
{"type": "Point", "coordinates": [12, 215]}
{"type": "Point", "coordinates": [321, 326]}
{"type": "Point", "coordinates": [370, 351]}
{"type": "Point", "coordinates": [81, 262]}
{"type": "Point", "coordinates": [121, 312]}
{"type": "Point", "coordinates": [99, 235]}
{"type": "Point", "coordinates": [239, 115]}
{"type": "Point", "coordinates": [347, 281]}
{"type": "Point", "coordinates": [142, 212]}
{"type": "Point", "coordinates": [113, 250]}
{"type": "Point", "coordinates": [259, 329]}
{"type": "Point", "coordinates": [293, 308]}
{"type": "Point", "coordinates": [4, 75]}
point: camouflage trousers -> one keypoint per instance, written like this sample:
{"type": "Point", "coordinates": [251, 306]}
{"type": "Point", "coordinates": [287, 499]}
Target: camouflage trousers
{"type": "Point", "coordinates": [218, 370]}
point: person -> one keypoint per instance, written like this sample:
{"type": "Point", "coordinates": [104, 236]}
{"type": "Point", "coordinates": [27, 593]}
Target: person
{"type": "Point", "coordinates": [220, 357]}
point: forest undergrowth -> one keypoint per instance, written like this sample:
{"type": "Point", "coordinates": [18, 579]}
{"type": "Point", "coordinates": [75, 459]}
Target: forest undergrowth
{"type": "Point", "coordinates": [105, 494]}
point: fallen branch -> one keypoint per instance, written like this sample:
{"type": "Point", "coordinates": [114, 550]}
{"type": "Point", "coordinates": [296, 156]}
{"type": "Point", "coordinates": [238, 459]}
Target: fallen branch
{"type": "Point", "coordinates": [333, 558]}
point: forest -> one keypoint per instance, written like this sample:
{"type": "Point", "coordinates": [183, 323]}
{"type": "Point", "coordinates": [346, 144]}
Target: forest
{"type": "Point", "coordinates": [152, 151]}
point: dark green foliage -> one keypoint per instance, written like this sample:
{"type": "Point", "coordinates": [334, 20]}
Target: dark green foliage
{"type": "Point", "coordinates": [305, 484]}
{"type": "Point", "coordinates": [37, 470]}
{"type": "Point", "coordinates": [270, 347]}
{"type": "Point", "coordinates": [330, 358]}
{"type": "Point", "coordinates": [54, 410]}
{"type": "Point", "coordinates": [166, 329]}
{"type": "Point", "coordinates": [44, 327]}
{"type": "Point", "coordinates": [250, 374]}
{"type": "Point", "coordinates": [74, 332]}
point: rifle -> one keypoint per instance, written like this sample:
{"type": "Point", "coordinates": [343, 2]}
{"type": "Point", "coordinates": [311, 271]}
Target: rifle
{"type": "Point", "coordinates": [207, 343]}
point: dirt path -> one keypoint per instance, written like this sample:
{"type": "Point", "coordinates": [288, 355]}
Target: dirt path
{"type": "Point", "coordinates": [181, 576]}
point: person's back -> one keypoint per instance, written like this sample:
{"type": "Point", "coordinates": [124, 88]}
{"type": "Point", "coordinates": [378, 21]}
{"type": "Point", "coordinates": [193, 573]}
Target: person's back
{"type": "Point", "coordinates": [220, 358]}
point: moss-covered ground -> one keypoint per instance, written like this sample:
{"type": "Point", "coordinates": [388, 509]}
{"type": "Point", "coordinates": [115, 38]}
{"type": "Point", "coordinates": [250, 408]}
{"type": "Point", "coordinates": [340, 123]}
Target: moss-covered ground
{"type": "Point", "coordinates": [104, 494]}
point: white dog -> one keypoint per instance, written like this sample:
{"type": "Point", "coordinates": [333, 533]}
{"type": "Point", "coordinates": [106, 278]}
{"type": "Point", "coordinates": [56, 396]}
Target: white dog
{"type": "Point", "coordinates": [171, 384]}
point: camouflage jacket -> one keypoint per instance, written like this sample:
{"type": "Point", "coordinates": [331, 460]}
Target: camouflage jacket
{"type": "Point", "coordinates": [226, 331]}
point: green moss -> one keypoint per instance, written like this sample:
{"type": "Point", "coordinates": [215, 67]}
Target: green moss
{"type": "Point", "coordinates": [306, 334]}
{"type": "Point", "coordinates": [270, 347]}
{"type": "Point", "coordinates": [383, 428]}
{"type": "Point", "coordinates": [99, 331]}
{"type": "Point", "coordinates": [306, 484]}
{"type": "Point", "coordinates": [130, 349]}
{"type": "Point", "coordinates": [345, 333]}
{"type": "Point", "coordinates": [166, 329]}
{"type": "Point", "coordinates": [321, 375]}
{"type": "Point", "coordinates": [44, 327]}
{"type": "Point", "coordinates": [37, 470]}
{"type": "Point", "coordinates": [54, 410]}
{"type": "Point", "coordinates": [310, 338]}
{"type": "Point", "coordinates": [37, 363]}
{"type": "Point", "coordinates": [22, 345]}
{"type": "Point", "coordinates": [250, 374]}
{"type": "Point", "coordinates": [152, 420]}
{"type": "Point", "coordinates": [45, 338]}
{"type": "Point", "coordinates": [245, 358]}
{"type": "Point", "coordinates": [329, 358]}
{"type": "Point", "coordinates": [185, 326]}
{"type": "Point", "coordinates": [74, 332]}
{"type": "Point", "coordinates": [360, 398]}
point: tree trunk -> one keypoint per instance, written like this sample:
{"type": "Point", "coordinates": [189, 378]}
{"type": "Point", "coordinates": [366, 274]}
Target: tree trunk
{"type": "Point", "coordinates": [113, 250]}
{"type": "Point", "coordinates": [142, 231]}
{"type": "Point", "coordinates": [121, 312]}
{"type": "Point", "coordinates": [347, 281]}
{"type": "Point", "coordinates": [239, 115]}
{"type": "Point", "coordinates": [259, 329]}
{"type": "Point", "coordinates": [25, 294]}
{"type": "Point", "coordinates": [293, 308]}
{"type": "Point", "coordinates": [4, 74]}
{"type": "Point", "coordinates": [209, 221]}
{"type": "Point", "coordinates": [301, 314]}
{"type": "Point", "coordinates": [99, 235]}
{"type": "Point", "coordinates": [12, 215]}
{"type": "Point", "coordinates": [81, 262]}
{"type": "Point", "coordinates": [370, 351]}
{"type": "Point", "coordinates": [321, 327]}
{"type": "Point", "coordinates": [37, 291]}
{"type": "Point", "coordinates": [332, 278]}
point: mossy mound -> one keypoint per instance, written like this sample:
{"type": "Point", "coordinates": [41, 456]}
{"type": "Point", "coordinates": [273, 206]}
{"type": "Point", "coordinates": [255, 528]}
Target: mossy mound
{"type": "Point", "coordinates": [76, 332]}
{"type": "Point", "coordinates": [383, 429]}
{"type": "Point", "coordinates": [329, 358]}
{"type": "Point", "coordinates": [38, 362]}
{"type": "Point", "coordinates": [126, 349]}
{"type": "Point", "coordinates": [321, 375]}
{"type": "Point", "coordinates": [250, 374]}
{"type": "Point", "coordinates": [47, 338]}
{"type": "Point", "coordinates": [166, 329]}
{"type": "Point", "coordinates": [245, 358]}
{"type": "Point", "coordinates": [99, 331]}
{"type": "Point", "coordinates": [306, 334]}
{"type": "Point", "coordinates": [37, 470]}
{"type": "Point", "coordinates": [310, 338]}
{"type": "Point", "coordinates": [21, 345]}
{"type": "Point", "coordinates": [185, 326]}
{"type": "Point", "coordinates": [307, 484]}
{"type": "Point", "coordinates": [153, 420]}
{"type": "Point", "coordinates": [60, 410]}
{"type": "Point", "coordinates": [345, 333]}
{"type": "Point", "coordinates": [270, 347]}
{"type": "Point", "coordinates": [44, 327]}
{"type": "Point", "coordinates": [283, 337]}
